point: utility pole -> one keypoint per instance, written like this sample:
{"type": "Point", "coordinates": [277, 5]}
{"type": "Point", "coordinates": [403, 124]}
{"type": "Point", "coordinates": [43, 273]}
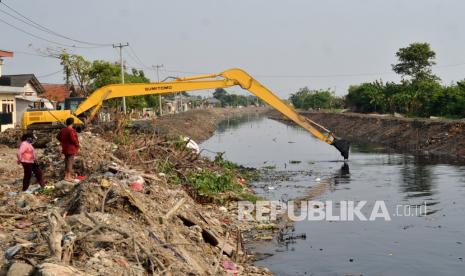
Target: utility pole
{"type": "Point", "coordinates": [121, 46]}
{"type": "Point", "coordinates": [157, 67]}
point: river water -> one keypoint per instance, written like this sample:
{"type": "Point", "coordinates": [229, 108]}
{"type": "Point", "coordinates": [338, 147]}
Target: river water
{"type": "Point", "coordinates": [412, 242]}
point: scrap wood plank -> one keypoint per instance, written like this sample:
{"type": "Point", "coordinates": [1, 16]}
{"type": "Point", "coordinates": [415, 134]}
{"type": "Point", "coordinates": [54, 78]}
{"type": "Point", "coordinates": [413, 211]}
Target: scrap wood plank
{"type": "Point", "coordinates": [210, 236]}
{"type": "Point", "coordinates": [175, 208]}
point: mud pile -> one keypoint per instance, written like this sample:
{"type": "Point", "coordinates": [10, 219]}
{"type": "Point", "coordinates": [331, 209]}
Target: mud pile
{"type": "Point", "coordinates": [433, 138]}
{"type": "Point", "coordinates": [124, 218]}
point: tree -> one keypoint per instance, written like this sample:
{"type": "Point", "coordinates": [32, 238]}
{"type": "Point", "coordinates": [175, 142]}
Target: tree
{"type": "Point", "coordinates": [219, 93]}
{"type": "Point", "coordinates": [415, 61]}
{"type": "Point", "coordinates": [76, 68]}
{"type": "Point", "coordinates": [93, 75]}
{"type": "Point", "coordinates": [367, 97]}
{"type": "Point", "coordinates": [306, 98]}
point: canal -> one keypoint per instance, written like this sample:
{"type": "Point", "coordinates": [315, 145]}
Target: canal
{"type": "Point", "coordinates": [295, 165]}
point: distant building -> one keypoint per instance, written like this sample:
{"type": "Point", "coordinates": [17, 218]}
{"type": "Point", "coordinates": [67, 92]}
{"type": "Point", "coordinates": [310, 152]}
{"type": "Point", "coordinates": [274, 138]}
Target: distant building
{"type": "Point", "coordinates": [212, 102]}
{"type": "Point", "coordinates": [56, 92]}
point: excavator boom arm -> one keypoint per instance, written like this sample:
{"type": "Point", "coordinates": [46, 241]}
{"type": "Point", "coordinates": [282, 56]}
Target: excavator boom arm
{"type": "Point", "coordinates": [225, 79]}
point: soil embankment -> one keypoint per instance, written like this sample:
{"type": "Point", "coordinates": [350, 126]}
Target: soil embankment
{"type": "Point", "coordinates": [197, 124]}
{"type": "Point", "coordinates": [435, 138]}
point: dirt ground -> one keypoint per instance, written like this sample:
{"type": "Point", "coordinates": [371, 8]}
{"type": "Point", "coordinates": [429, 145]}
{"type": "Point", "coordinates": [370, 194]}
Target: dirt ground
{"type": "Point", "coordinates": [434, 138]}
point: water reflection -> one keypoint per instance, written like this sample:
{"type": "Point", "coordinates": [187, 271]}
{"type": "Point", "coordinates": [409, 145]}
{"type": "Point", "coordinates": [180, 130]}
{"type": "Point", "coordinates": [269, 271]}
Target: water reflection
{"type": "Point", "coordinates": [234, 122]}
{"type": "Point", "coordinates": [418, 183]}
{"type": "Point", "coordinates": [342, 176]}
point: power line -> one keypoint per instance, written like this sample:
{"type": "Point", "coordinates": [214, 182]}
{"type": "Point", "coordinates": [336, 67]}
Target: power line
{"type": "Point", "coordinates": [50, 74]}
{"type": "Point", "coordinates": [34, 54]}
{"type": "Point", "coordinates": [44, 39]}
{"type": "Point", "coordinates": [138, 60]}
{"type": "Point", "coordinates": [38, 26]}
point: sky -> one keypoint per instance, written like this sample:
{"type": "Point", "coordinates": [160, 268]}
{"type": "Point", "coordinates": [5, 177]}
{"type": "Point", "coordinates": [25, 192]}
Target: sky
{"type": "Point", "coordinates": [285, 45]}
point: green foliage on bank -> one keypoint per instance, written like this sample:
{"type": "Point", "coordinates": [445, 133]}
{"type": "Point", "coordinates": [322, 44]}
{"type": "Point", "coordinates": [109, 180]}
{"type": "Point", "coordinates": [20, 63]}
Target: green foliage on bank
{"type": "Point", "coordinates": [316, 99]}
{"type": "Point", "coordinates": [233, 100]}
{"type": "Point", "coordinates": [210, 183]}
{"type": "Point", "coordinates": [422, 98]}
{"type": "Point", "coordinates": [419, 93]}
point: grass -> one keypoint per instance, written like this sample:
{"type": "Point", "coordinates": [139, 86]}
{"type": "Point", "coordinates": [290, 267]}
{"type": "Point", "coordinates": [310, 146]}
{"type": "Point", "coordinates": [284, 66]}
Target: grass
{"type": "Point", "coordinates": [220, 161]}
{"type": "Point", "coordinates": [225, 179]}
{"type": "Point", "coordinates": [211, 183]}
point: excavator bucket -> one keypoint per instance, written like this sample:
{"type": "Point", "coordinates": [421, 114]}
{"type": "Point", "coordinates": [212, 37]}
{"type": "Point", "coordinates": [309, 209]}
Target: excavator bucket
{"type": "Point", "coordinates": [342, 146]}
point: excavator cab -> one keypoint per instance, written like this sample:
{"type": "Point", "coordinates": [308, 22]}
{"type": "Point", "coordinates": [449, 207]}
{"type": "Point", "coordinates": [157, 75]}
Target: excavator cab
{"type": "Point", "coordinates": [72, 103]}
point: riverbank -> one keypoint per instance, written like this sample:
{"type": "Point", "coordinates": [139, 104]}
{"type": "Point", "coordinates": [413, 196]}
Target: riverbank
{"type": "Point", "coordinates": [143, 205]}
{"type": "Point", "coordinates": [438, 139]}
{"type": "Point", "coordinates": [199, 124]}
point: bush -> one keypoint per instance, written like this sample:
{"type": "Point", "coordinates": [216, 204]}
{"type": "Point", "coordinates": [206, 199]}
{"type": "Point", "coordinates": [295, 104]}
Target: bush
{"type": "Point", "coordinates": [306, 99]}
{"type": "Point", "coordinates": [421, 98]}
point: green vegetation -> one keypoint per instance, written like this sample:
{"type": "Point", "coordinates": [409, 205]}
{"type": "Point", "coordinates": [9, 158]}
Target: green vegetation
{"type": "Point", "coordinates": [234, 100]}
{"type": "Point", "coordinates": [169, 169]}
{"type": "Point", "coordinates": [211, 183]}
{"type": "Point", "coordinates": [220, 161]}
{"type": "Point", "coordinates": [91, 75]}
{"type": "Point", "coordinates": [315, 99]}
{"type": "Point", "coordinates": [225, 179]}
{"type": "Point", "coordinates": [418, 94]}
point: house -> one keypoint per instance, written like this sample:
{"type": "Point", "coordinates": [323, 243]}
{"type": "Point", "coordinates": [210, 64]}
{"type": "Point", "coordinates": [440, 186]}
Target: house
{"type": "Point", "coordinates": [7, 99]}
{"type": "Point", "coordinates": [212, 102]}
{"type": "Point", "coordinates": [56, 92]}
{"type": "Point", "coordinates": [8, 106]}
{"type": "Point", "coordinates": [30, 89]}
{"type": "Point", "coordinates": [23, 91]}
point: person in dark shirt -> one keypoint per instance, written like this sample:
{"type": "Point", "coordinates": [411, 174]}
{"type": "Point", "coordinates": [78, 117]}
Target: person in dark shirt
{"type": "Point", "coordinates": [70, 146]}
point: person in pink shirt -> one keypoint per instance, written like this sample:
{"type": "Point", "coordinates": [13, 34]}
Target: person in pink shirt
{"type": "Point", "coordinates": [27, 157]}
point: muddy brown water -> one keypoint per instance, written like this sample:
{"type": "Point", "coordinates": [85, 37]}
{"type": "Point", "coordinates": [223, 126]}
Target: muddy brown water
{"type": "Point", "coordinates": [294, 163]}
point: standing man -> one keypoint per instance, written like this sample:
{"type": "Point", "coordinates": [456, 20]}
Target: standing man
{"type": "Point", "coordinates": [70, 146]}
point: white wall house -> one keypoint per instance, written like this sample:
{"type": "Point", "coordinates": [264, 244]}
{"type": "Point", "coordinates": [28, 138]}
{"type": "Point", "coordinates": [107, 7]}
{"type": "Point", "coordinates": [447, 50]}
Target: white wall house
{"type": "Point", "coordinates": [8, 106]}
{"type": "Point", "coordinates": [17, 94]}
{"type": "Point", "coordinates": [22, 92]}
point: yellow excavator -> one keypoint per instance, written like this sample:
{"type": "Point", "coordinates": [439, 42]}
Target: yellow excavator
{"type": "Point", "coordinates": [88, 108]}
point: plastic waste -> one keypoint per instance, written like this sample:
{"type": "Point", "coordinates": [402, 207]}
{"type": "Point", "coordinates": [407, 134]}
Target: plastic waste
{"type": "Point", "coordinates": [192, 144]}
{"type": "Point", "coordinates": [12, 251]}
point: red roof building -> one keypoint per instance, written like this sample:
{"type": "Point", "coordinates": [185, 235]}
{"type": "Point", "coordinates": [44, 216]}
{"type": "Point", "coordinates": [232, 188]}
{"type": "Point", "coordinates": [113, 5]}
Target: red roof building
{"type": "Point", "coordinates": [5, 54]}
{"type": "Point", "coordinates": [56, 92]}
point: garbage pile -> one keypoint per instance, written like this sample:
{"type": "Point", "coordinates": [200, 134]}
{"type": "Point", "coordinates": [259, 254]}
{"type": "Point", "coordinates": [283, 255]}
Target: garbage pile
{"type": "Point", "coordinates": [10, 137]}
{"type": "Point", "coordinates": [95, 154]}
{"type": "Point", "coordinates": [123, 218]}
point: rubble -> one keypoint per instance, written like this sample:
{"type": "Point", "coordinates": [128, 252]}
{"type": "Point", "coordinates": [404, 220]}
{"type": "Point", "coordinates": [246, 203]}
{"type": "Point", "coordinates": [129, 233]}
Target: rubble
{"type": "Point", "coordinates": [20, 269]}
{"type": "Point", "coordinates": [10, 137]}
{"type": "Point", "coordinates": [133, 212]}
